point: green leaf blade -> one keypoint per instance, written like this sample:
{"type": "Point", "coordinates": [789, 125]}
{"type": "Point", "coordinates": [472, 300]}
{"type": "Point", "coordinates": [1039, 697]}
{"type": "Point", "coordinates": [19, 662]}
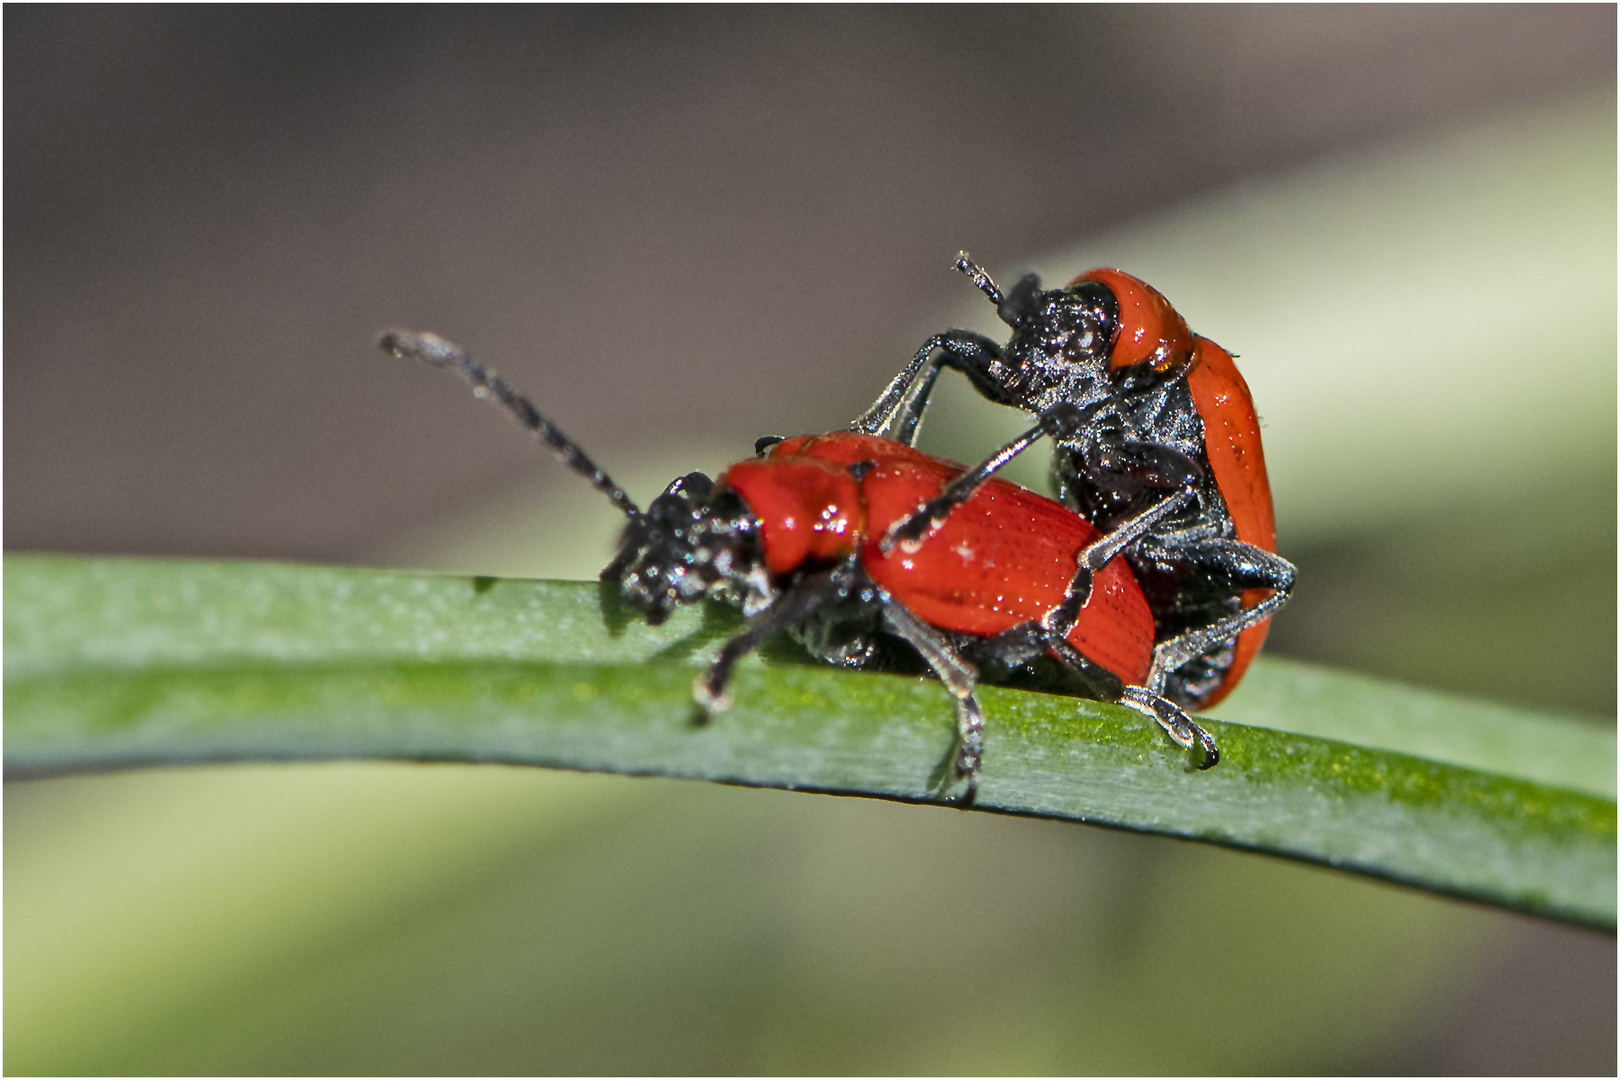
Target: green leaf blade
{"type": "Point", "coordinates": [118, 663]}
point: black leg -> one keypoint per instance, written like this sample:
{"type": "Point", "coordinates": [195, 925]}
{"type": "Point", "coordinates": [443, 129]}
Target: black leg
{"type": "Point", "coordinates": [959, 677]}
{"type": "Point", "coordinates": [911, 531]}
{"type": "Point", "coordinates": [1248, 567]}
{"type": "Point", "coordinates": [1095, 555]}
{"type": "Point", "coordinates": [1058, 422]}
{"type": "Point", "coordinates": [1177, 724]}
{"type": "Point", "coordinates": [909, 420]}
{"type": "Point", "coordinates": [974, 355]}
{"type": "Point", "coordinates": [902, 402]}
{"type": "Point", "coordinates": [790, 609]}
{"type": "Point", "coordinates": [1027, 642]}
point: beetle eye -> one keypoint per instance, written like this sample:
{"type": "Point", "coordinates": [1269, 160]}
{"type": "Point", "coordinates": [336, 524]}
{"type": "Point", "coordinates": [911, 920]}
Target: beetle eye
{"type": "Point", "coordinates": [1021, 300]}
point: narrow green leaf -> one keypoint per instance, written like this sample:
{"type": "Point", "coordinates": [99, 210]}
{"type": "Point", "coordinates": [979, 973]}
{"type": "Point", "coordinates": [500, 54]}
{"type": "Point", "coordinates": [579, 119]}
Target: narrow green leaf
{"type": "Point", "coordinates": [114, 662]}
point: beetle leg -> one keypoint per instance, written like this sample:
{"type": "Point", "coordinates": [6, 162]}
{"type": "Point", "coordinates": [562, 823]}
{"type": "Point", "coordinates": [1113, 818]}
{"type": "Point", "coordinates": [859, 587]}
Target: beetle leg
{"type": "Point", "coordinates": [974, 355]}
{"type": "Point", "coordinates": [931, 515]}
{"type": "Point", "coordinates": [1177, 724]}
{"type": "Point", "coordinates": [1058, 422]}
{"type": "Point", "coordinates": [1095, 555]}
{"type": "Point", "coordinates": [1249, 567]}
{"type": "Point", "coordinates": [1173, 653]}
{"type": "Point", "coordinates": [1245, 565]}
{"type": "Point", "coordinates": [1170, 655]}
{"type": "Point", "coordinates": [1097, 681]}
{"type": "Point", "coordinates": [959, 677]}
{"type": "Point", "coordinates": [790, 609]}
{"type": "Point", "coordinates": [1027, 641]}
{"type": "Point", "coordinates": [904, 399]}
{"type": "Point", "coordinates": [908, 420]}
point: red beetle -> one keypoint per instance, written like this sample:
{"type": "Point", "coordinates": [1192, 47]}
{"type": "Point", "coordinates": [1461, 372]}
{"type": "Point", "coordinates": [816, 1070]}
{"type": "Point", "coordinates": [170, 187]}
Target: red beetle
{"type": "Point", "coordinates": [846, 540]}
{"type": "Point", "coordinates": [1150, 410]}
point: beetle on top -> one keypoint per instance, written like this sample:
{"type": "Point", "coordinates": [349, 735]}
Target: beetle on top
{"type": "Point", "coordinates": [1142, 411]}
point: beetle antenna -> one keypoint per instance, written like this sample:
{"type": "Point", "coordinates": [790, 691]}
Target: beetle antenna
{"type": "Point", "coordinates": [441, 353]}
{"type": "Point", "coordinates": [964, 262]}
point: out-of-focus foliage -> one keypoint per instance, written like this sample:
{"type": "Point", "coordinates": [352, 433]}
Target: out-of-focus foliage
{"type": "Point", "coordinates": [413, 919]}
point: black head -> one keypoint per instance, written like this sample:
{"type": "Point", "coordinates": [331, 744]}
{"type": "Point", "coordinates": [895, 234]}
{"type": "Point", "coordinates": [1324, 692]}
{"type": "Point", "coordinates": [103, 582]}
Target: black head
{"type": "Point", "coordinates": [693, 541]}
{"type": "Point", "coordinates": [1074, 326]}
{"type": "Point", "coordinates": [1061, 338]}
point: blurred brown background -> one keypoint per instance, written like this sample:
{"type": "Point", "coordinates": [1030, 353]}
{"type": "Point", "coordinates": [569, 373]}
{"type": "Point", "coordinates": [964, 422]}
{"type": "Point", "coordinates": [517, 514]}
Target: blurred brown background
{"type": "Point", "coordinates": [668, 221]}
{"type": "Point", "coordinates": [728, 220]}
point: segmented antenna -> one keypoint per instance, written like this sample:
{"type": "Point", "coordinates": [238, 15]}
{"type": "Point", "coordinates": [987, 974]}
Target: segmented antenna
{"type": "Point", "coordinates": [964, 262]}
{"type": "Point", "coordinates": [441, 353]}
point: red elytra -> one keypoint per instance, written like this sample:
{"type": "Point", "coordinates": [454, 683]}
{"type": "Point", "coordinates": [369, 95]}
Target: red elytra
{"type": "Point", "coordinates": [1232, 445]}
{"type": "Point", "coordinates": [1003, 558]}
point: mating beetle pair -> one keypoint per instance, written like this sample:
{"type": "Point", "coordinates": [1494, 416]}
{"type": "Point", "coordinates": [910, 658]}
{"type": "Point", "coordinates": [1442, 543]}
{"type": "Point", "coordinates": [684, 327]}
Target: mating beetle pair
{"type": "Point", "coordinates": [847, 540]}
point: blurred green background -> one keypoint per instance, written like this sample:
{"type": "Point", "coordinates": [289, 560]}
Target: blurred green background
{"type": "Point", "coordinates": [683, 229]}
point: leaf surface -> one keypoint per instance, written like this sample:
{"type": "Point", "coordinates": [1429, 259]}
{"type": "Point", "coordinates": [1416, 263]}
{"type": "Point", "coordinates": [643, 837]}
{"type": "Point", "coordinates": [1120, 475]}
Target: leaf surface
{"type": "Point", "coordinates": [124, 662]}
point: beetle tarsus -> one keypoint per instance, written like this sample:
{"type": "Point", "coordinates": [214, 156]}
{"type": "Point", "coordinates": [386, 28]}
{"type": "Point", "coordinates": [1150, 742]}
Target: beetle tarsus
{"type": "Point", "coordinates": [1177, 724]}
